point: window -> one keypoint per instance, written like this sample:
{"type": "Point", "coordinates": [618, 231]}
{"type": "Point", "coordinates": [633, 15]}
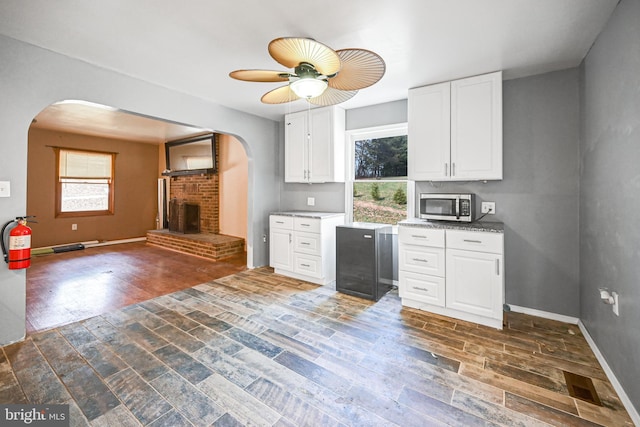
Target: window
{"type": "Point", "coordinates": [84, 184]}
{"type": "Point", "coordinates": [379, 190]}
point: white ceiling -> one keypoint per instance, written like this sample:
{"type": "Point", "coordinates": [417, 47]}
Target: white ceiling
{"type": "Point", "coordinates": [191, 46]}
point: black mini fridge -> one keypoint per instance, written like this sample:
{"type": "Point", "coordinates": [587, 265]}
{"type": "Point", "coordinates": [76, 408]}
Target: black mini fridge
{"type": "Point", "coordinates": [364, 259]}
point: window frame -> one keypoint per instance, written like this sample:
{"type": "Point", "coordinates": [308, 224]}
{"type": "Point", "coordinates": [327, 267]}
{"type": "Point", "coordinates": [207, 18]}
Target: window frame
{"type": "Point", "coordinates": [59, 213]}
{"type": "Point", "coordinates": [353, 135]}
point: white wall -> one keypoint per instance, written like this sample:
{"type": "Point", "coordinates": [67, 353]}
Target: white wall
{"type": "Point", "coordinates": [32, 78]}
{"type": "Point", "coordinates": [233, 166]}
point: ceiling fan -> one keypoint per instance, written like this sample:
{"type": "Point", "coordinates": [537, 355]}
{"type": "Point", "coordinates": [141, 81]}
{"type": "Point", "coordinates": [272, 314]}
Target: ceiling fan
{"type": "Point", "coordinates": [320, 74]}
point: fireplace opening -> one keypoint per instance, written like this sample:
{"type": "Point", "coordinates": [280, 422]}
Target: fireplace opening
{"type": "Point", "coordinates": [184, 217]}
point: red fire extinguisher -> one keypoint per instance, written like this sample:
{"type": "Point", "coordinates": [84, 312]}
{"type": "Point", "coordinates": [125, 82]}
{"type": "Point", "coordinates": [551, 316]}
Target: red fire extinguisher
{"type": "Point", "coordinates": [19, 255]}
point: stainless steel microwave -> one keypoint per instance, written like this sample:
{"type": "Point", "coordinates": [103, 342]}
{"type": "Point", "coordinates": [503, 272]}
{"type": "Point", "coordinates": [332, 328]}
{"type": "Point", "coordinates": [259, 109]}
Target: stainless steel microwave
{"type": "Point", "coordinates": [447, 207]}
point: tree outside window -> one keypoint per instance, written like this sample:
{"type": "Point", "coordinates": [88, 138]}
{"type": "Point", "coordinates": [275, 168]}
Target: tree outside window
{"type": "Point", "coordinates": [380, 181]}
{"type": "Point", "coordinates": [84, 182]}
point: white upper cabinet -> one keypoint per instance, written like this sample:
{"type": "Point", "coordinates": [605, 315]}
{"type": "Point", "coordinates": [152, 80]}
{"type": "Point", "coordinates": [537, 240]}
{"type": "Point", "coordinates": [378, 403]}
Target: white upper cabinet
{"type": "Point", "coordinates": [314, 145]}
{"type": "Point", "coordinates": [455, 130]}
{"type": "Point", "coordinates": [429, 132]}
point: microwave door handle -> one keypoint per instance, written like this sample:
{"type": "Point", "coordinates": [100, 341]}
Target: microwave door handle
{"type": "Point", "coordinates": [457, 207]}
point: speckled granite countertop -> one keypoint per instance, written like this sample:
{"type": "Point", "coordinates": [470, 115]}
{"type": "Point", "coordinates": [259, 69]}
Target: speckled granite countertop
{"type": "Point", "coordinates": [492, 227]}
{"type": "Point", "coordinates": [305, 214]}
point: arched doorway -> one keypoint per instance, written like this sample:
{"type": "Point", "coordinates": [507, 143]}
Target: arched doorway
{"type": "Point", "coordinates": [138, 144]}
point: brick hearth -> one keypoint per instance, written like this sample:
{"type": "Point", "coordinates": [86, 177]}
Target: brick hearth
{"type": "Point", "coordinates": [212, 246]}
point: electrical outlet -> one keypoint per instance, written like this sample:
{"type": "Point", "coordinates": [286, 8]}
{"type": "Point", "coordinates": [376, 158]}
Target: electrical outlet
{"type": "Point", "coordinates": [615, 306]}
{"type": "Point", "coordinates": [264, 238]}
{"type": "Point", "coordinates": [311, 201]}
{"type": "Point", "coordinates": [489, 207]}
{"type": "Point", "coordinates": [5, 188]}
{"type": "Point", "coordinates": [74, 227]}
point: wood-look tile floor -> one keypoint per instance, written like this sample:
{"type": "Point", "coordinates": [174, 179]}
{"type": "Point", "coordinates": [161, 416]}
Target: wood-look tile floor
{"type": "Point", "coordinates": [256, 348]}
{"type": "Point", "coordinates": [71, 286]}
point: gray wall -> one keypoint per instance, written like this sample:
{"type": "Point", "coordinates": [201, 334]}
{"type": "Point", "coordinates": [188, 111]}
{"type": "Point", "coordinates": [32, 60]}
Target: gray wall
{"type": "Point", "coordinates": [610, 193]}
{"type": "Point", "coordinates": [538, 197]}
{"type": "Point", "coordinates": [32, 78]}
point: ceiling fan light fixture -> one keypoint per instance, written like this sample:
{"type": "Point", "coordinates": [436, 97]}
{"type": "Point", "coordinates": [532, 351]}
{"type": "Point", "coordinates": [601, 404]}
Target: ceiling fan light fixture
{"type": "Point", "coordinates": [308, 87]}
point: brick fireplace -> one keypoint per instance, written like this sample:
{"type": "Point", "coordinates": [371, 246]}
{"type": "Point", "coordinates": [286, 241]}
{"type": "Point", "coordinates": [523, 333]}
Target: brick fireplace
{"type": "Point", "coordinates": [201, 190]}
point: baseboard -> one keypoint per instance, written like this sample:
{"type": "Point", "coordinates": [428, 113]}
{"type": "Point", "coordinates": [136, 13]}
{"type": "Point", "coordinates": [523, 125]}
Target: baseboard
{"type": "Point", "coordinates": [628, 404]}
{"type": "Point", "coordinates": [544, 314]}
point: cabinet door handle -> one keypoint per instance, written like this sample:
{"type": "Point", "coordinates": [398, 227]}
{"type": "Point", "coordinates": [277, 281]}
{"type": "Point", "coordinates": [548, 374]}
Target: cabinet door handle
{"type": "Point", "coordinates": [446, 169]}
{"type": "Point", "coordinates": [368, 236]}
{"type": "Point", "coordinates": [420, 289]}
{"type": "Point", "coordinates": [498, 267]}
{"type": "Point", "coordinates": [453, 166]}
{"type": "Point", "coordinates": [472, 241]}
{"type": "Point", "coordinates": [420, 260]}
{"type": "Point", "coordinates": [289, 237]}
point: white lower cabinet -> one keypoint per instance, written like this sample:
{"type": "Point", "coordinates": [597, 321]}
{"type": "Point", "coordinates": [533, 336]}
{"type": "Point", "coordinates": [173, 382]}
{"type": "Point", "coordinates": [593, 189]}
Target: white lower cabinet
{"type": "Point", "coordinates": [304, 247]}
{"type": "Point", "coordinates": [455, 273]}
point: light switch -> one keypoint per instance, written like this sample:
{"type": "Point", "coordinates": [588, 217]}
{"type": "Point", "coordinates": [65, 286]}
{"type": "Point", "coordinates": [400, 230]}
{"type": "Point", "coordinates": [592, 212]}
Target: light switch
{"type": "Point", "coordinates": [5, 188]}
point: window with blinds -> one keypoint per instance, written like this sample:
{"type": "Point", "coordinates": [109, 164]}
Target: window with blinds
{"type": "Point", "coordinates": [84, 182]}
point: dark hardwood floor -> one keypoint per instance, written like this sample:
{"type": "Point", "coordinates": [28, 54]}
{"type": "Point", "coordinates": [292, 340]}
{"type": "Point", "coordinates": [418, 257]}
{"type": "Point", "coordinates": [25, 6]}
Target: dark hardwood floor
{"type": "Point", "coordinates": [257, 348]}
{"type": "Point", "coordinates": [71, 286]}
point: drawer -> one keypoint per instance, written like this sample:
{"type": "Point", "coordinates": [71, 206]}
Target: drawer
{"type": "Point", "coordinates": [421, 259]}
{"type": "Point", "coordinates": [421, 236]}
{"type": "Point", "coordinates": [422, 287]}
{"type": "Point", "coordinates": [311, 225]}
{"type": "Point", "coordinates": [309, 265]}
{"type": "Point", "coordinates": [308, 243]}
{"type": "Point", "coordinates": [478, 241]}
{"type": "Point", "coordinates": [284, 222]}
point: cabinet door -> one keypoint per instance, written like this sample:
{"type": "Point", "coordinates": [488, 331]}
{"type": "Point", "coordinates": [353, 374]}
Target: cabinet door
{"type": "Point", "coordinates": [476, 127]}
{"type": "Point", "coordinates": [296, 143]}
{"type": "Point", "coordinates": [281, 249]}
{"type": "Point", "coordinates": [429, 133]}
{"type": "Point", "coordinates": [321, 148]}
{"type": "Point", "coordinates": [474, 283]}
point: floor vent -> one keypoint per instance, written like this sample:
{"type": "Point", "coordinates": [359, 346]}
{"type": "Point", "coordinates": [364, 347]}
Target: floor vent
{"type": "Point", "coordinates": [581, 388]}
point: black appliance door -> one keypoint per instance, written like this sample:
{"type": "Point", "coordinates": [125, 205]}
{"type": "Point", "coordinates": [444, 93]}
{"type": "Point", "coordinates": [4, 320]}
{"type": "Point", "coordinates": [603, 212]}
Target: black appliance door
{"type": "Point", "coordinates": [356, 262]}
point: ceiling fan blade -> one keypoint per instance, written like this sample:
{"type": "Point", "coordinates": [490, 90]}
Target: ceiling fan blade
{"type": "Point", "coordinates": [332, 96]}
{"type": "Point", "coordinates": [291, 51]}
{"type": "Point", "coordinates": [260, 75]}
{"type": "Point", "coordinates": [279, 96]}
{"type": "Point", "coordinates": [360, 68]}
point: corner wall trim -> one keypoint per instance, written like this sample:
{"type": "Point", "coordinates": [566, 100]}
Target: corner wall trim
{"type": "Point", "coordinates": [628, 405]}
{"type": "Point", "coordinates": [545, 314]}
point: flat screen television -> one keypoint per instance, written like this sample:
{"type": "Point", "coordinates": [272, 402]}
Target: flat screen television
{"type": "Point", "coordinates": [191, 156]}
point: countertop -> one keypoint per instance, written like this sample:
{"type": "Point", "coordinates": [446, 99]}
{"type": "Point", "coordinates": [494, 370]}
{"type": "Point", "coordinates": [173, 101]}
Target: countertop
{"type": "Point", "coordinates": [491, 227]}
{"type": "Point", "coordinates": [305, 214]}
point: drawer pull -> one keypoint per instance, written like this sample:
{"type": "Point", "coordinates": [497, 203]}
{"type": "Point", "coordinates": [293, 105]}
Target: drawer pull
{"type": "Point", "coordinates": [417, 236]}
{"type": "Point", "coordinates": [305, 225]}
{"type": "Point", "coordinates": [279, 222]}
{"type": "Point", "coordinates": [305, 243]}
{"type": "Point", "coordinates": [305, 265]}
{"type": "Point", "coordinates": [472, 241]}
{"type": "Point", "coordinates": [419, 259]}
{"type": "Point", "coordinates": [420, 289]}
